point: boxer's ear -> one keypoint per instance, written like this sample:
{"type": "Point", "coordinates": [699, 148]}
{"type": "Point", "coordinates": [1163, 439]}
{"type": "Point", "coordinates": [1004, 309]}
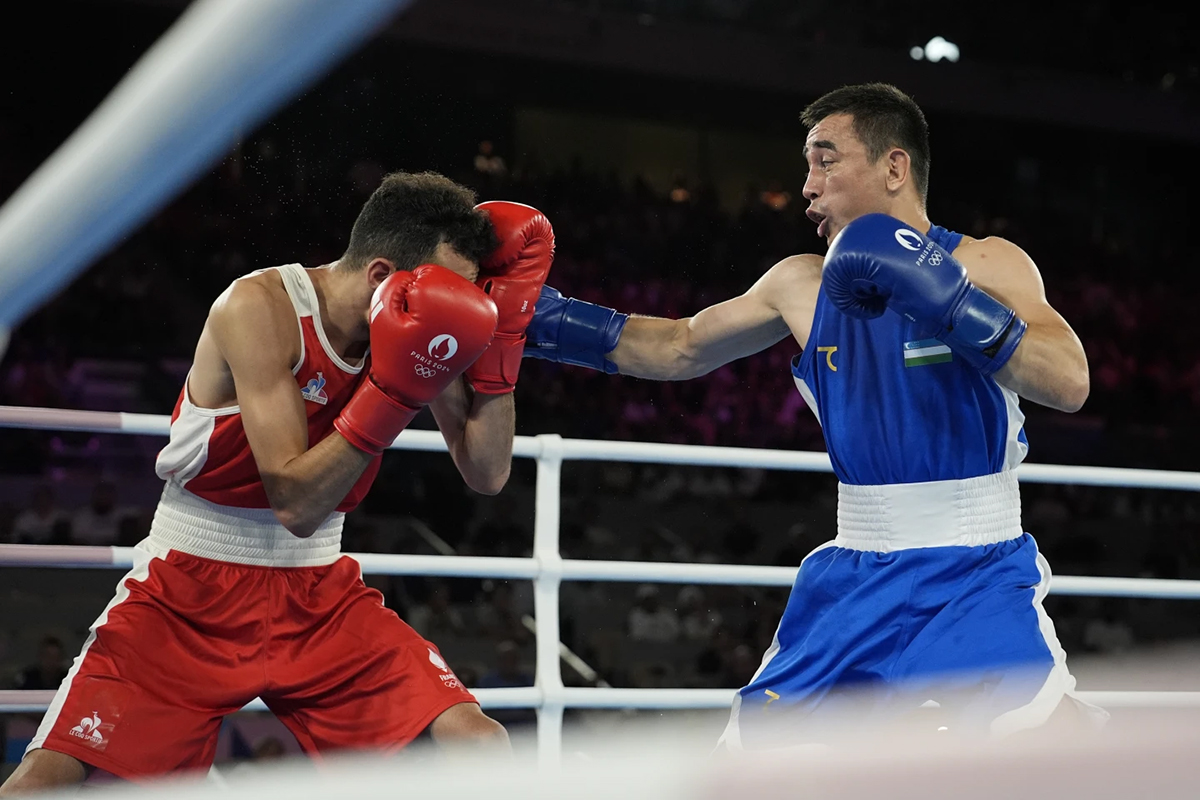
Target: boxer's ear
{"type": "Point", "coordinates": [899, 168]}
{"type": "Point", "coordinates": [377, 271]}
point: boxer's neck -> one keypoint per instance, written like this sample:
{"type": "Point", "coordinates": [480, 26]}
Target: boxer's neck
{"type": "Point", "coordinates": [910, 213]}
{"type": "Point", "coordinates": [343, 298]}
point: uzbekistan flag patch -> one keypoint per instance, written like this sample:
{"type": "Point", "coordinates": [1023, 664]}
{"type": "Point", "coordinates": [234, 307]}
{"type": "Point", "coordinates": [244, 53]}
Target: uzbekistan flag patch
{"type": "Point", "coordinates": [926, 352]}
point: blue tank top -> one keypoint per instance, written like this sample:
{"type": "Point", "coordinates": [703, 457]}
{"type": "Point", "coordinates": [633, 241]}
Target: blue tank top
{"type": "Point", "coordinates": [897, 406]}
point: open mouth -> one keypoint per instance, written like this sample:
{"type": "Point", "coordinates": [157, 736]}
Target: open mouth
{"type": "Point", "coordinates": [821, 220]}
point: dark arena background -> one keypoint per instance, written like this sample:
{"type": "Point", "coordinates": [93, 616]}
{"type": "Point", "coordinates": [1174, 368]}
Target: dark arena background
{"type": "Point", "coordinates": [663, 141]}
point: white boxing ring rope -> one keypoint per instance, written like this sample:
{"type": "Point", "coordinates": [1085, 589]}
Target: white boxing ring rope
{"type": "Point", "coordinates": [547, 569]}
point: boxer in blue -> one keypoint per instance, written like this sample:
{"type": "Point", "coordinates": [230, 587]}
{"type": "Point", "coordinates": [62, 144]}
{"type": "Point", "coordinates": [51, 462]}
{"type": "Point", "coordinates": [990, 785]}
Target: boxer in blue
{"type": "Point", "coordinates": [917, 343]}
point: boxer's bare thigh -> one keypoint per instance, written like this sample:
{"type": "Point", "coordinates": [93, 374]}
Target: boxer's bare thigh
{"type": "Point", "coordinates": [465, 725]}
{"type": "Point", "coordinates": [41, 770]}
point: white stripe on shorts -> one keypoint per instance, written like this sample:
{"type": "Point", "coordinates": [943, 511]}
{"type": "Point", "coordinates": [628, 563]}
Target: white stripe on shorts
{"type": "Point", "coordinates": [1059, 683]}
{"type": "Point", "coordinates": [142, 556]}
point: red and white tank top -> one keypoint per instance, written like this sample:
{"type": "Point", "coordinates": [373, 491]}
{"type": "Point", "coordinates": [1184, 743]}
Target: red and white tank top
{"type": "Point", "coordinates": [214, 504]}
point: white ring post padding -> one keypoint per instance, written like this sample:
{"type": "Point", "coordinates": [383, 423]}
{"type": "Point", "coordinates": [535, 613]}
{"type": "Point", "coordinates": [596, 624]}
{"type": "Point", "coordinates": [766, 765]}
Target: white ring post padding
{"type": "Point", "coordinates": [219, 70]}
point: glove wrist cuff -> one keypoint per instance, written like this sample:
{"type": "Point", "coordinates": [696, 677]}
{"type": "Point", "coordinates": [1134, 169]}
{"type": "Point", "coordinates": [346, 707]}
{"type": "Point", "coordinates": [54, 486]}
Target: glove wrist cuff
{"type": "Point", "coordinates": [589, 332]}
{"type": "Point", "coordinates": [372, 419]}
{"type": "Point", "coordinates": [983, 331]}
{"type": "Point", "coordinates": [496, 370]}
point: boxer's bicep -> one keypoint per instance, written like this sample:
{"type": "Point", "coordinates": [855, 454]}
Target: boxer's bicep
{"type": "Point", "coordinates": [779, 303]}
{"type": "Point", "coordinates": [734, 329]}
{"type": "Point", "coordinates": [792, 286]}
{"type": "Point", "coordinates": [1049, 366]}
{"type": "Point", "coordinates": [680, 349]}
{"type": "Point", "coordinates": [258, 350]}
{"type": "Point", "coordinates": [1007, 273]}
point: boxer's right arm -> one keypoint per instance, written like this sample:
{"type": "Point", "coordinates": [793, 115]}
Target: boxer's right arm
{"type": "Point", "coordinates": [780, 302]}
{"type": "Point", "coordinates": [675, 350]}
{"type": "Point", "coordinates": [303, 485]}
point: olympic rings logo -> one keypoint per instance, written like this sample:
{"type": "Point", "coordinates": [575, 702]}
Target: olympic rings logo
{"type": "Point", "coordinates": [423, 371]}
{"type": "Point", "coordinates": [935, 258]}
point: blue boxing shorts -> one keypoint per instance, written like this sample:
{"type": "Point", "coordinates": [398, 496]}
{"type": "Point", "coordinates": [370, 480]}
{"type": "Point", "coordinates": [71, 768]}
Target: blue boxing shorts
{"type": "Point", "coordinates": [871, 636]}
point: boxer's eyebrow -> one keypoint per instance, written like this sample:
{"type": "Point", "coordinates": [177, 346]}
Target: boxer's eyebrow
{"type": "Point", "coordinates": [820, 144]}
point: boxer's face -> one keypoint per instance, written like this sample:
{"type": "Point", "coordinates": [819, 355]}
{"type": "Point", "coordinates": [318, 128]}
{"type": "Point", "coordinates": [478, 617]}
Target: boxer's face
{"type": "Point", "coordinates": [843, 183]}
{"type": "Point", "coordinates": [446, 256]}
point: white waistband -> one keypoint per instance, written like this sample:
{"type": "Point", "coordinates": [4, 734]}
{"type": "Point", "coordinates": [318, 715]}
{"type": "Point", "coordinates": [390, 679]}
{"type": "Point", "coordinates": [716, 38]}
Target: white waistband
{"type": "Point", "coordinates": [968, 512]}
{"type": "Point", "coordinates": [193, 525]}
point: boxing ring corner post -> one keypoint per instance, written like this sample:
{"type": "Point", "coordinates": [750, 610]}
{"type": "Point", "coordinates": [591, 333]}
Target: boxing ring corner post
{"type": "Point", "coordinates": [546, 586]}
{"type": "Point", "coordinates": [219, 70]}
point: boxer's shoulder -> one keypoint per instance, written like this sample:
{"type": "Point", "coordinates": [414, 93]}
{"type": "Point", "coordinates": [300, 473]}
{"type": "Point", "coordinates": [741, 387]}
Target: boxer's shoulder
{"type": "Point", "coordinates": [987, 248]}
{"type": "Point", "coordinates": [258, 299]}
{"type": "Point", "coordinates": [992, 255]}
{"type": "Point", "coordinates": [794, 279]}
{"type": "Point", "coordinates": [257, 309]}
{"type": "Point", "coordinates": [796, 271]}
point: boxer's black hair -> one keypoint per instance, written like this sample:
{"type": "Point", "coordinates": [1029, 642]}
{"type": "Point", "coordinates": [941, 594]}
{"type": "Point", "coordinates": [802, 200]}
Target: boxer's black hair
{"type": "Point", "coordinates": [410, 214]}
{"type": "Point", "coordinates": [884, 117]}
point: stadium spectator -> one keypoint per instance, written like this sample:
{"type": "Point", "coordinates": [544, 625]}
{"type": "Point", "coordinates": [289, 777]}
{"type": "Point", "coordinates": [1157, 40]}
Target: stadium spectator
{"type": "Point", "coordinates": [436, 618]}
{"type": "Point", "coordinates": [487, 163]}
{"type": "Point", "coordinates": [99, 522]}
{"type": "Point", "coordinates": [499, 617]}
{"type": "Point", "coordinates": [697, 621]}
{"type": "Point", "coordinates": [49, 670]}
{"type": "Point", "coordinates": [508, 672]}
{"type": "Point", "coordinates": [36, 524]}
{"type": "Point", "coordinates": [649, 620]}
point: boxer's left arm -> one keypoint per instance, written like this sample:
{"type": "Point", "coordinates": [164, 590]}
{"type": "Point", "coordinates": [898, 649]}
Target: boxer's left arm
{"type": "Point", "coordinates": [478, 429]}
{"type": "Point", "coordinates": [1049, 366]}
{"type": "Point", "coordinates": [477, 415]}
{"type": "Point", "coordinates": [985, 298]}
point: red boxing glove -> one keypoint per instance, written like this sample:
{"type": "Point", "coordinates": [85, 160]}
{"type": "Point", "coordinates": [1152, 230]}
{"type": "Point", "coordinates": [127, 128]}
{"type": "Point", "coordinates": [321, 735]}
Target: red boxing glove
{"type": "Point", "coordinates": [427, 326]}
{"type": "Point", "coordinates": [516, 271]}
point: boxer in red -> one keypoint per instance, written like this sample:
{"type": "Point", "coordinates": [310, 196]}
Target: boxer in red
{"type": "Point", "coordinates": [301, 378]}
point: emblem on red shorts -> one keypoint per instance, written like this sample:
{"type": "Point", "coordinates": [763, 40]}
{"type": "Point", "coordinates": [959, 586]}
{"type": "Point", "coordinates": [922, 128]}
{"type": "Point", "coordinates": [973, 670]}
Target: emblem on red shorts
{"type": "Point", "coordinates": [88, 729]}
{"type": "Point", "coordinates": [449, 679]}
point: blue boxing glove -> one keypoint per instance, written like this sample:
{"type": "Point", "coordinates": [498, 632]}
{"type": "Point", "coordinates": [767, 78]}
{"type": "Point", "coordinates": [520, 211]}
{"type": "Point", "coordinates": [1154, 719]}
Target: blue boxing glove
{"type": "Point", "coordinates": [877, 262]}
{"type": "Point", "coordinates": [570, 331]}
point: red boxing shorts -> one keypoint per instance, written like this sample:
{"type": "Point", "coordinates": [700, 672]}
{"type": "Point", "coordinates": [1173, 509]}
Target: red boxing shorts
{"type": "Point", "coordinates": [188, 640]}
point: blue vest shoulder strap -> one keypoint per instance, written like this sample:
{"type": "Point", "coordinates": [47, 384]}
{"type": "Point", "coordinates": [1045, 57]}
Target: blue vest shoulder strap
{"type": "Point", "coordinates": [947, 239]}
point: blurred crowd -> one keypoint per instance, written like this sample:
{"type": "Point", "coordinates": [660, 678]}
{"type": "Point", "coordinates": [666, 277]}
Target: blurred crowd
{"type": "Point", "coordinates": [1099, 38]}
{"type": "Point", "coordinates": [668, 254]}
